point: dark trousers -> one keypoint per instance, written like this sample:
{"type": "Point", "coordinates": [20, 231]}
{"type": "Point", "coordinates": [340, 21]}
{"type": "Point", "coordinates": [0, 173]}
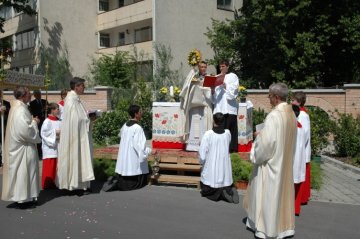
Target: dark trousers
{"type": "Point", "coordinates": [230, 123]}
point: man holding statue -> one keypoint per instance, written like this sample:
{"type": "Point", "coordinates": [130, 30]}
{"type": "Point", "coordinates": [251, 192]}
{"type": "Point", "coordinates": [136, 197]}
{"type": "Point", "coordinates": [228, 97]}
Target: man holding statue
{"type": "Point", "coordinates": [196, 103]}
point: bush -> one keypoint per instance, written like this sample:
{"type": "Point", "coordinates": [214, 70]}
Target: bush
{"type": "Point", "coordinates": [241, 169]}
{"type": "Point", "coordinates": [315, 175]}
{"type": "Point", "coordinates": [104, 168]}
{"type": "Point", "coordinates": [259, 116]}
{"type": "Point", "coordinates": [356, 160]}
{"type": "Point", "coordinates": [321, 127]}
{"type": "Point", "coordinates": [347, 136]}
{"type": "Point", "coordinates": [107, 127]}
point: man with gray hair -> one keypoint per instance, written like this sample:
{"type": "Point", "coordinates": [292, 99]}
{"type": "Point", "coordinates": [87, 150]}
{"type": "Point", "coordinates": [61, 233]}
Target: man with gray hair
{"type": "Point", "coordinates": [21, 162]}
{"type": "Point", "coordinates": [75, 169]}
{"type": "Point", "coordinates": [269, 200]}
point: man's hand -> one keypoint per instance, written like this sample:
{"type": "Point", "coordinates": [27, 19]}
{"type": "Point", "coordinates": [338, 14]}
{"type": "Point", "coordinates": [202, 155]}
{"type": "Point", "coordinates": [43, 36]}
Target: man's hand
{"type": "Point", "coordinates": [36, 119]}
{"type": "Point", "coordinates": [2, 108]}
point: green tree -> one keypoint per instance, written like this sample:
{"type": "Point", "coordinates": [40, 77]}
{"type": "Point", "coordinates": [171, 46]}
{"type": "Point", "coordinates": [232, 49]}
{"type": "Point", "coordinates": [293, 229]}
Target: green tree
{"type": "Point", "coordinates": [19, 6]}
{"type": "Point", "coordinates": [305, 43]}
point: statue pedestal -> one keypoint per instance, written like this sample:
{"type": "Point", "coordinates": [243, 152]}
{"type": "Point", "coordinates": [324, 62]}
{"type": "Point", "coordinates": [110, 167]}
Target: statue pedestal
{"type": "Point", "coordinates": [245, 130]}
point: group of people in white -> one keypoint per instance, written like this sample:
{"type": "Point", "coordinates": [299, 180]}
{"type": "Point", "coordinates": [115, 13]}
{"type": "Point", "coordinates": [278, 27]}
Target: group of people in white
{"type": "Point", "coordinates": [280, 152]}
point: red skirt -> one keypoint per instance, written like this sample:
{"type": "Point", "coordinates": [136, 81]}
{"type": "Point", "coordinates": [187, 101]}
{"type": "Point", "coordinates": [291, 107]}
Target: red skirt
{"type": "Point", "coordinates": [298, 197]}
{"type": "Point", "coordinates": [306, 192]}
{"type": "Point", "coordinates": [48, 173]}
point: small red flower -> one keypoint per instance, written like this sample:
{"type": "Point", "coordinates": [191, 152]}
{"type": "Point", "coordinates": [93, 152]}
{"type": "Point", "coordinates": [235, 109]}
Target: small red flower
{"type": "Point", "coordinates": [241, 116]}
{"type": "Point", "coordinates": [157, 115]}
{"type": "Point", "coordinates": [163, 122]}
{"type": "Point", "coordinates": [176, 116]}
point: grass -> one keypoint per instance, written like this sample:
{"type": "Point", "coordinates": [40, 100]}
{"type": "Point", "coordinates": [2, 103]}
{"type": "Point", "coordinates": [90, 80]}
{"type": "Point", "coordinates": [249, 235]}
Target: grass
{"type": "Point", "coordinates": [316, 175]}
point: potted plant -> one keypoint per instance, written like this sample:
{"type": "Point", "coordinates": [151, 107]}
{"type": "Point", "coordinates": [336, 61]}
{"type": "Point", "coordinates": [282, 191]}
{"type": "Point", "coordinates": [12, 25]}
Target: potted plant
{"type": "Point", "coordinates": [242, 93]}
{"type": "Point", "coordinates": [241, 171]}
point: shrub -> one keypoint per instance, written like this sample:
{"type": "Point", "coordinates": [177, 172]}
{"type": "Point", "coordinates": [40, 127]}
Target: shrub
{"type": "Point", "coordinates": [356, 160]}
{"type": "Point", "coordinates": [103, 168]}
{"type": "Point", "coordinates": [241, 169]}
{"type": "Point", "coordinates": [259, 116]}
{"type": "Point", "coordinates": [107, 127]}
{"type": "Point", "coordinates": [321, 127]}
{"type": "Point", "coordinates": [347, 136]}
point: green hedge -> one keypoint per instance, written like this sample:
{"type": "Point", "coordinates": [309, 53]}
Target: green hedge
{"type": "Point", "coordinates": [241, 169]}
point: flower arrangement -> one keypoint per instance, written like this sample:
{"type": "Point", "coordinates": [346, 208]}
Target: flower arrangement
{"type": "Point", "coordinates": [177, 91]}
{"type": "Point", "coordinates": [194, 57]}
{"type": "Point", "coordinates": [162, 93]}
{"type": "Point", "coordinates": [242, 93]}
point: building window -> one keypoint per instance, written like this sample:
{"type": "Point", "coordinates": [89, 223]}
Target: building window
{"type": "Point", "coordinates": [143, 34]}
{"type": "Point", "coordinates": [121, 38]}
{"type": "Point", "coordinates": [104, 40]}
{"type": "Point", "coordinates": [121, 3]}
{"type": "Point", "coordinates": [224, 4]}
{"type": "Point", "coordinates": [25, 40]}
{"type": "Point", "coordinates": [103, 5]}
{"type": "Point", "coordinates": [5, 12]}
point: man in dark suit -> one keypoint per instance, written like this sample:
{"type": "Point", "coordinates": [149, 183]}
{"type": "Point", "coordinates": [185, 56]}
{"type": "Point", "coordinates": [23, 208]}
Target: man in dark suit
{"type": "Point", "coordinates": [38, 108]}
{"type": "Point", "coordinates": [4, 109]}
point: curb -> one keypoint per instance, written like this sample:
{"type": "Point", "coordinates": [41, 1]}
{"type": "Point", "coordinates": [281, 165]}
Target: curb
{"type": "Point", "coordinates": [340, 164]}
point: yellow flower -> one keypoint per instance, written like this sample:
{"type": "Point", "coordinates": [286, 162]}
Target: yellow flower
{"type": "Point", "coordinates": [164, 90]}
{"type": "Point", "coordinates": [242, 88]}
{"type": "Point", "coordinates": [242, 93]}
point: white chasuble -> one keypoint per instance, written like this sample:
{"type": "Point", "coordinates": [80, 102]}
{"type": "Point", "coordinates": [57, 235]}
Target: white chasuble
{"type": "Point", "coordinates": [215, 158]}
{"type": "Point", "coordinates": [133, 153]}
{"type": "Point", "coordinates": [269, 200]}
{"type": "Point", "coordinates": [21, 161]}
{"type": "Point", "coordinates": [196, 103]}
{"type": "Point", "coordinates": [75, 169]}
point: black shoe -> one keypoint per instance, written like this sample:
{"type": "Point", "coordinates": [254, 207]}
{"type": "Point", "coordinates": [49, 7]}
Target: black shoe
{"type": "Point", "coordinates": [235, 195]}
{"type": "Point", "coordinates": [227, 196]}
{"type": "Point", "coordinates": [87, 191]}
{"type": "Point", "coordinates": [26, 205]}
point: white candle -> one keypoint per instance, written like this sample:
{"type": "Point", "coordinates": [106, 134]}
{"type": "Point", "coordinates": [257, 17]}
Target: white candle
{"type": "Point", "coordinates": [171, 91]}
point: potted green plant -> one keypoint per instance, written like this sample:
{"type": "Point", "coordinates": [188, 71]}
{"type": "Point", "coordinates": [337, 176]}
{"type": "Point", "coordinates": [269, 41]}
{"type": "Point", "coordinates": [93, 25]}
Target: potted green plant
{"type": "Point", "coordinates": [241, 171]}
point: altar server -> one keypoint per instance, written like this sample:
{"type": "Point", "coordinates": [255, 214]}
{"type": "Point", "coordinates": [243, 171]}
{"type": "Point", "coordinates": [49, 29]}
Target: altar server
{"type": "Point", "coordinates": [224, 98]}
{"type": "Point", "coordinates": [216, 174]}
{"type": "Point", "coordinates": [299, 98]}
{"type": "Point", "coordinates": [299, 161]}
{"type": "Point", "coordinates": [269, 200]}
{"type": "Point", "coordinates": [132, 166]}
{"type": "Point", "coordinates": [21, 162]}
{"type": "Point", "coordinates": [50, 132]}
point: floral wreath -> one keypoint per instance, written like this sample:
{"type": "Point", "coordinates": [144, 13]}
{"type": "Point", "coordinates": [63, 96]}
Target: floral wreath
{"type": "Point", "coordinates": [194, 57]}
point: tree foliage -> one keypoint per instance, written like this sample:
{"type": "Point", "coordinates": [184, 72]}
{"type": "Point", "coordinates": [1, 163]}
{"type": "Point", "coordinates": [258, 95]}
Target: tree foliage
{"type": "Point", "coordinates": [19, 6]}
{"type": "Point", "coordinates": [305, 43]}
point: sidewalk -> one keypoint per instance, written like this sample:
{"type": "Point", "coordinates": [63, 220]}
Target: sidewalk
{"type": "Point", "coordinates": [341, 183]}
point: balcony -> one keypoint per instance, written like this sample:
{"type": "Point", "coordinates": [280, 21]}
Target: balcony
{"type": "Point", "coordinates": [125, 15]}
{"type": "Point", "coordinates": [144, 48]}
{"type": "Point", "coordinates": [19, 23]}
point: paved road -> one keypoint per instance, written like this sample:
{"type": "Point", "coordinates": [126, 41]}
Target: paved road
{"type": "Point", "coordinates": [159, 212]}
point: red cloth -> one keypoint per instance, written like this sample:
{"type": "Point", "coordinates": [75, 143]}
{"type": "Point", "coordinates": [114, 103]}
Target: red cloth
{"type": "Point", "coordinates": [245, 147]}
{"type": "Point", "coordinates": [298, 196]}
{"type": "Point", "coordinates": [62, 103]}
{"type": "Point", "coordinates": [306, 192]}
{"type": "Point", "coordinates": [48, 173]}
{"type": "Point", "coordinates": [167, 145]}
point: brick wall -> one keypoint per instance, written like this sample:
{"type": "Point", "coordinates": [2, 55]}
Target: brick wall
{"type": "Point", "coordinates": [97, 99]}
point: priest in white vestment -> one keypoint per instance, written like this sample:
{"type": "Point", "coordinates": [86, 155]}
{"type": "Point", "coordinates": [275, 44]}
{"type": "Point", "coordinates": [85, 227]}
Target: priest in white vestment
{"type": "Point", "coordinates": [196, 103]}
{"type": "Point", "coordinates": [269, 200]}
{"type": "Point", "coordinates": [216, 173]}
{"type": "Point", "coordinates": [224, 99]}
{"type": "Point", "coordinates": [21, 162]}
{"type": "Point", "coordinates": [75, 152]}
{"type": "Point", "coordinates": [132, 166]}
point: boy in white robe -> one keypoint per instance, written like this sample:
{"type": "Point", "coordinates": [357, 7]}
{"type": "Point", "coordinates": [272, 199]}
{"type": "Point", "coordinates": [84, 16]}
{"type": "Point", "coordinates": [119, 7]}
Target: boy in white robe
{"type": "Point", "coordinates": [216, 173]}
{"type": "Point", "coordinates": [132, 166]}
{"type": "Point", "coordinates": [50, 132]}
{"type": "Point", "coordinates": [299, 161]}
{"type": "Point", "coordinates": [21, 162]}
